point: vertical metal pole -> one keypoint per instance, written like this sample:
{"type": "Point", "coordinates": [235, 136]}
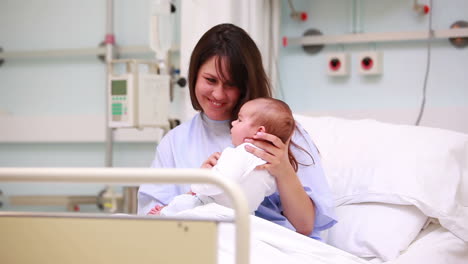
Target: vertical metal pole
{"type": "Point", "coordinates": [130, 202]}
{"type": "Point", "coordinates": [129, 193]}
{"type": "Point", "coordinates": [109, 134]}
{"type": "Point", "coordinates": [110, 40]}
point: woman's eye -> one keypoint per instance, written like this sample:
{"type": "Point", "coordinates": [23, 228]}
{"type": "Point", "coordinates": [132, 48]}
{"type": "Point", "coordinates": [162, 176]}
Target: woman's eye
{"type": "Point", "coordinates": [210, 80]}
{"type": "Point", "coordinates": [230, 85]}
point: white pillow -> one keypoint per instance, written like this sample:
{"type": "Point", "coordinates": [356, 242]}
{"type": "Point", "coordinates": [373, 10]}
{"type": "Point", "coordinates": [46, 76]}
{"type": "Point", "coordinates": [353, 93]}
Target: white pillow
{"type": "Point", "coordinates": [371, 161]}
{"type": "Point", "coordinates": [375, 230]}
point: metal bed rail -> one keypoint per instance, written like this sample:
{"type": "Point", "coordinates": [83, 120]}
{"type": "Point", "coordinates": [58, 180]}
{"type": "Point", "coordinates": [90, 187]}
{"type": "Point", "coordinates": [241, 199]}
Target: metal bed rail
{"type": "Point", "coordinates": [141, 176]}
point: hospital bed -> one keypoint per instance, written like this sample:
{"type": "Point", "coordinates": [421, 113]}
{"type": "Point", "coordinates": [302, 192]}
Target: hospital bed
{"type": "Point", "coordinates": [401, 196]}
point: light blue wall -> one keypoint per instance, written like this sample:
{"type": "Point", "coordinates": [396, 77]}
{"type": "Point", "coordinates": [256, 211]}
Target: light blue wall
{"type": "Point", "coordinates": [68, 86]}
{"type": "Point", "coordinates": [307, 87]}
{"type": "Point", "coordinates": [64, 86]}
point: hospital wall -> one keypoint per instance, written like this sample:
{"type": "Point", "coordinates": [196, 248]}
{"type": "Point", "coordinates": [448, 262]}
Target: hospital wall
{"type": "Point", "coordinates": [395, 95]}
{"type": "Point", "coordinates": [66, 93]}
{"type": "Point", "coordinates": [71, 89]}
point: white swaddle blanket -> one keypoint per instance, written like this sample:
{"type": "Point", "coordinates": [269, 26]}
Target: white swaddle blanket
{"type": "Point", "coordinates": [238, 165]}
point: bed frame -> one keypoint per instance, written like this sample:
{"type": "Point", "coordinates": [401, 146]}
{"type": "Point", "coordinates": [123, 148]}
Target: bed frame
{"type": "Point", "coordinates": [97, 238]}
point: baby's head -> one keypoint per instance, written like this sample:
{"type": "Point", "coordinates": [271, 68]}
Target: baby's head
{"type": "Point", "coordinates": [268, 115]}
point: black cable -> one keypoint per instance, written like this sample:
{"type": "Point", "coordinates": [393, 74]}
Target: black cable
{"type": "Point", "coordinates": [428, 66]}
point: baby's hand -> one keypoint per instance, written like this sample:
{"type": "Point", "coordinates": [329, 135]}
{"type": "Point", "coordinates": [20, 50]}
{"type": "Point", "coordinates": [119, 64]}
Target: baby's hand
{"type": "Point", "coordinates": [211, 161]}
{"type": "Point", "coordinates": [156, 210]}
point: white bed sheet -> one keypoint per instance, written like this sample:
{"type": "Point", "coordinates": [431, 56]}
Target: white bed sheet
{"type": "Point", "coordinates": [435, 245]}
{"type": "Point", "coordinates": [271, 243]}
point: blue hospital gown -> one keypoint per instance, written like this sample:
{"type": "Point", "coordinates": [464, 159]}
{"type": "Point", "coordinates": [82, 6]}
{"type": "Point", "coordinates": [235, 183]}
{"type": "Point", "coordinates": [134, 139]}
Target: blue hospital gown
{"type": "Point", "coordinates": [191, 143]}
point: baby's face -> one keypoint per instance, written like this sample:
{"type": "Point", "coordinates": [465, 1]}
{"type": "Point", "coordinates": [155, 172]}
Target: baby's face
{"type": "Point", "coordinates": [244, 127]}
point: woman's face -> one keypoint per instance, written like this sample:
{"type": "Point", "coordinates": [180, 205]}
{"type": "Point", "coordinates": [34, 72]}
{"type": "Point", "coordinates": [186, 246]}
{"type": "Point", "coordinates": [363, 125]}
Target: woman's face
{"type": "Point", "coordinates": [216, 96]}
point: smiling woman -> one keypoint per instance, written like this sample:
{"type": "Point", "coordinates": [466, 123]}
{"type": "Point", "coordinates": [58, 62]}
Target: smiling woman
{"type": "Point", "coordinates": [225, 72]}
{"type": "Point", "coordinates": [216, 96]}
{"type": "Point", "coordinates": [227, 56]}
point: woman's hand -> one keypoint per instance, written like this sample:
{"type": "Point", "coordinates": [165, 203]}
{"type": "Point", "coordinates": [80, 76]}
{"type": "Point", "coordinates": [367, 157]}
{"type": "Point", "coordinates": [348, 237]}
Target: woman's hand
{"type": "Point", "coordinates": [273, 151]}
{"type": "Point", "coordinates": [211, 161]}
{"type": "Point", "coordinates": [298, 208]}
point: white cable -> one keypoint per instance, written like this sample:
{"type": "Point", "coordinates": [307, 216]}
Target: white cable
{"type": "Point", "coordinates": [280, 87]}
{"type": "Point", "coordinates": [293, 10]}
{"type": "Point", "coordinates": [428, 66]}
{"type": "Point", "coordinates": [274, 61]}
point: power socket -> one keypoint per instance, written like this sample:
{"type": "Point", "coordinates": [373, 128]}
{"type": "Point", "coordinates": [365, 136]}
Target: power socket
{"type": "Point", "coordinates": [370, 63]}
{"type": "Point", "coordinates": [338, 64]}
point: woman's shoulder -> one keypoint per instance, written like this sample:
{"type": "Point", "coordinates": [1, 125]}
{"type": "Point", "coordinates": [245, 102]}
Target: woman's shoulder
{"type": "Point", "coordinates": [306, 147]}
{"type": "Point", "coordinates": [180, 132]}
{"type": "Point", "coordinates": [185, 127]}
{"type": "Point", "coordinates": [300, 133]}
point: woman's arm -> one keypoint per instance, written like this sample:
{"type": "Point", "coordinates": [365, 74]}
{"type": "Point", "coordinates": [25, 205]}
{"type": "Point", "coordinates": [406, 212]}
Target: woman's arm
{"type": "Point", "coordinates": [151, 195]}
{"type": "Point", "coordinates": [297, 205]}
{"type": "Point", "coordinates": [298, 208]}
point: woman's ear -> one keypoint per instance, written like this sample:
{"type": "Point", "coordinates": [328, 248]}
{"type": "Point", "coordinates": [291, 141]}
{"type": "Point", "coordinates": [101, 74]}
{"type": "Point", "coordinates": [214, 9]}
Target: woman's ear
{"type": "Point", "coordinates": [261, 129]}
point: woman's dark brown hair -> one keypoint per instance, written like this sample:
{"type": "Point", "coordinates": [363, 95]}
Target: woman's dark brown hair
{"type": "Point", "coordinates": [234, 47]}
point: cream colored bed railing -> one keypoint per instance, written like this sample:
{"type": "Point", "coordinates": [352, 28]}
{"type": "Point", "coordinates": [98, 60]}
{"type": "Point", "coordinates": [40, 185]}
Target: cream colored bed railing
{"type": "Point", "coordinates": [144, 175]}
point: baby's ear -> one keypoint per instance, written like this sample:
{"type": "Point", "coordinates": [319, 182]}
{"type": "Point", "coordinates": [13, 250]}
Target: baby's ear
{"type": "Point", "coordinates": [261, 129]}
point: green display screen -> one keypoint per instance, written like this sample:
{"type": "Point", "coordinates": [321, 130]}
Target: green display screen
{"type": "Point", "coordinates": [119, 87]}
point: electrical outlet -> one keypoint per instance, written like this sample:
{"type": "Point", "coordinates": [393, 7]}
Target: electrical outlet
{"type": "Point", "coordinates": [338, 64]}
{"type": "Point", "coordinates": [370, 63]}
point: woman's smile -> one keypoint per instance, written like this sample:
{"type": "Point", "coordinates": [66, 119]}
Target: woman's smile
{"type": "Point", "coordinates": [216, 97]}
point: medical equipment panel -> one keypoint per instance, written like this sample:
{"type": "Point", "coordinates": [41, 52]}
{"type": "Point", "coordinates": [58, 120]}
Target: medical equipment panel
{"type": "Point", "coordinates": [138, 98]}
{"type": "Point", "coordinates": [121, 100]}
